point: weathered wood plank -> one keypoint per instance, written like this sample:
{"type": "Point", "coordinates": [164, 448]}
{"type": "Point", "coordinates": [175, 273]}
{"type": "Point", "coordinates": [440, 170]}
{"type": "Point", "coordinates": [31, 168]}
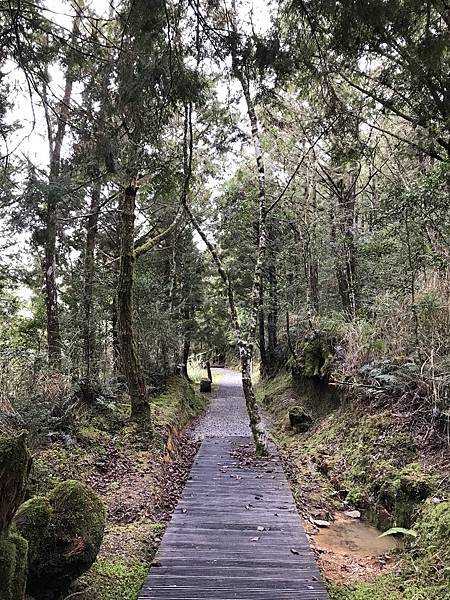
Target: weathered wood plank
{"type": "Point", "coordinates": [213, 548]}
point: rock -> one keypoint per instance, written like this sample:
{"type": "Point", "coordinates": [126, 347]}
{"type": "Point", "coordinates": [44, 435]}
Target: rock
{"type": "Point", "coordinates": [64, 534]}
{"type": "Point", "coordinates": [320, 523]}
{"type": "Point", "coordinates": [322, 515]}
{"type": "Point", "coordinates": [15, 464]}
{"type": "Point", "coordinates": [353, 514]}
{"type": "Point", "coordinates": [13, 566]}
{"type": "Point", "coordinates": [205, 386]}
{"type": "Point", "coordinates": [300, 421]}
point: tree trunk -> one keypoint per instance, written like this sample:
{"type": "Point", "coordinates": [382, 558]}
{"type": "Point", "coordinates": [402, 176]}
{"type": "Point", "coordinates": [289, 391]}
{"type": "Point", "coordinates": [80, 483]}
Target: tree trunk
{"type": "Point", "coordinates": [245, 348]}
{"type": "Point", "coordinates": [262, 333]}
{"type": "Point", "coordinates": [272, 317]}
{"type": "Point", "coordinates": [343, 239]}
{"type": "Point", "coordinates": [51, 291]}
{"type": "Point", "coordinates": [140, 408]}
{"type": "Point", "coordinates": [55, 147]}
{"type": "Point", "coordinates": [185, 355]}
{"type": "Point", "coordinates": [259, 435]}
{"type": "Point", "coordinates": [89, 271]}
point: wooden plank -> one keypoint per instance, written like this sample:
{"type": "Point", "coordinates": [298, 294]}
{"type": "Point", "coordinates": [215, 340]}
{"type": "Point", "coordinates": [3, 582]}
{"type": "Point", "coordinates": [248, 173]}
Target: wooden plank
{"type": "Point", "coordinates": [213, 548]}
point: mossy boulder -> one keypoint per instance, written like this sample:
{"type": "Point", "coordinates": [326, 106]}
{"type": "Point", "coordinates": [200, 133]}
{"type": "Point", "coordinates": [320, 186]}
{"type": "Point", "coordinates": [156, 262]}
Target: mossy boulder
{"type": "Point", "coordinates": [15, 465]}
{"type": "Point", "coordinates": [317, 354]}
{"type": "Point", "coordinates": [299, 420]}
{"type": "Point", "coordinates": [405, 492]}
{"type": "Point", "coordinates": [13, 566]}
{"type": "Point", "coordinates": [64, 532]}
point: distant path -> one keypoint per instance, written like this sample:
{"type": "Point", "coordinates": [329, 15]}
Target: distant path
{"type": "Point", "coordinates": [226, 414]}
{"type": "Point", "coordinates": [235, 533]}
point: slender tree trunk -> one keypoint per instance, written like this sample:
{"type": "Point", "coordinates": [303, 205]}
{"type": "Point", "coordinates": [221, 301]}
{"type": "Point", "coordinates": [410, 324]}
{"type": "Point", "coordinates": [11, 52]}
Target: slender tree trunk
{"type": "Point", "coordinates": [51, 290]}
{"type": "Point", "coordinates": [272, 317]}
{"type": "Point", "coordinates": [262, 333]}
{"type": "Point", "coordinates": [115, 331]}
{"type": "Point", "coordinates": [140, 407]}
{"type": "Point", "coordinates": [343, 241]}
{"type": "Point", "coordinates": [185, 355]}
{"type": "Point", "coordinates": [89, 271]}
{"type": "Point", "coordinates": [257, 298]}
{"type": "Point", "coordinates": [245, 348]}
{"type": "Point", "coordinates": [53, 196]}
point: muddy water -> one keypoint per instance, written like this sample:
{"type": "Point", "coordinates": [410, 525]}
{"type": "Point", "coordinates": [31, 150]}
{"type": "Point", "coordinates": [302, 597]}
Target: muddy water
{"type": "Point", "coordinates": [354, 537]}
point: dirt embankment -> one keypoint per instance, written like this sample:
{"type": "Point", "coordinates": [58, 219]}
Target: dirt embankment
{"type": "Point", "coordinates": [356, 471]}
{"type": "Point", "coordinates": [139, 481]}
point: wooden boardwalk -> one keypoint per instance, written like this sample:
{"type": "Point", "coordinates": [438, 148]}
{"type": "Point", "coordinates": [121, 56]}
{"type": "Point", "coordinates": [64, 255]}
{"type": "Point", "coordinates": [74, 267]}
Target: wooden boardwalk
{"type": "Point", "coordinates": [235, 534]}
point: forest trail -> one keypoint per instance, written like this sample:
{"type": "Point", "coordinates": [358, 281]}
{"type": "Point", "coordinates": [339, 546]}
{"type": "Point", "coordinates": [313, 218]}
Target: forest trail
{"type": "Point", "coordinates": [235, 533]}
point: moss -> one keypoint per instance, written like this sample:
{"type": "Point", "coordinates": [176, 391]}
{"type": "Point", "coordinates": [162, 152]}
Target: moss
{"type": "Point", "coordinates": [55, 465]}
{"type": "Point", "coordinates": [13, 566]}
{"type": "Point", "coordinates": [405, 491]}
{"type": "Point", "coordinates": [431, 550]}
{"type": "Point", "coordinates": [69, 531]}
{"type": "Point", "coordinates": [398, 586]}
{"type": "Point", "coordinates": [177, 406]}
{"type": "Point", "coordinates": [15, 464]}
{"type": "Point", "coordinates": [32, 520]}
{"type": "Point", "coordinates": [90, 435]}
{"type": "Point", "coordinates": [117, 578]}
{"type": "Point", "coordinates": [317, 354]}
{"type": "Point", "coordinates": [271, 389]}
{"type": "Point", "coordinates": [381, 588]}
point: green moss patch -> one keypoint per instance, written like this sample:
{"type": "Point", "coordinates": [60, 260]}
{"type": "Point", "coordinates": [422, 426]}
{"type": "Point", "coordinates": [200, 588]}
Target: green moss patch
{"type": "Point", "coordinates": [117, 579]}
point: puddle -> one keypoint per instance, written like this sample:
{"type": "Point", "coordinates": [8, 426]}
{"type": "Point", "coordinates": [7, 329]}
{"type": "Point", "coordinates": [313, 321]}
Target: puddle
{"type": "Point", "coordinates": [355, 537]}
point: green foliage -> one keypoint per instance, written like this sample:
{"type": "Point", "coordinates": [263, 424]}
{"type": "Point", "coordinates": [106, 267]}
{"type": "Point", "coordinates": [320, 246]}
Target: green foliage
{"type": "Point", "coordinates": [397, 530]}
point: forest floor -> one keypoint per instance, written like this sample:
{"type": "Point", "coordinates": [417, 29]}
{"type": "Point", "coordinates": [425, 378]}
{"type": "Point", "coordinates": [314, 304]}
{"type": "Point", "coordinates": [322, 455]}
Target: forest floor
{"type": "Point", "coordinates": [355, 473]}
{"type": "Point", "coordinates": [139, 483]}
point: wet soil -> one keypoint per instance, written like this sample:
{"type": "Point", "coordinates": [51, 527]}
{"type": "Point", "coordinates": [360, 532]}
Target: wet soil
{"type": "Point", "coordinates": [351, 550]}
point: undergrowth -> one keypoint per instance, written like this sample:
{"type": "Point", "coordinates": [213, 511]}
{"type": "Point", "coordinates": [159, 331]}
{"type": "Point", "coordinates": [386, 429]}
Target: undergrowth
{"type": "Point", "coordinates": [370, 458]}
{"type": "Point", "coordinates": [105, 451]}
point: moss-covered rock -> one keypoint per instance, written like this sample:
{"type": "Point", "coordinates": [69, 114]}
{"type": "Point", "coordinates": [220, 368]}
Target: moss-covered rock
{"type": "Point", "coordinates": [299, 420]}
{"type": "Point", "coordinates": [64, 532]}
{"type": "Point", "coordinates": [13, 566]}
{"type": "Point", "coordinates": [33, 520]}
{"type": "Point", "coordinates": [316, 355]}
{"type": "Point", "coordinates": [15, 465]}
{"type": "Point", "coordinates": [405, 491]}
